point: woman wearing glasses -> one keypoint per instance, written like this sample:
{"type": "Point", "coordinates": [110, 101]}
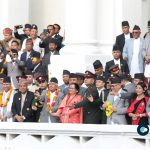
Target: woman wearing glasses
{"type": "Point", "coordinates": [66, 112]}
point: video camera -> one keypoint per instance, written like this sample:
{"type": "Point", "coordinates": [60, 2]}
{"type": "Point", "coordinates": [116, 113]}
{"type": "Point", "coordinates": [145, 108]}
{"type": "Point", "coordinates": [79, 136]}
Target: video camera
{"type": "Point", "coordinates": [18, 26]}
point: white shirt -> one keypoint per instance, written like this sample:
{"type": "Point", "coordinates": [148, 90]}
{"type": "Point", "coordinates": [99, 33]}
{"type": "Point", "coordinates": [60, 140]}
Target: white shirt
{"type": "Point", "coordinates": [117, 62]}
{"type": "Point", "coordinates": [115, 97]}
{"type": "Point", "coordinates": [52, 53]}
{"type": "Point", "coordinates": [135, 59]}
{"type": "Point", "coordinates": [127, 36]}
{"type": "Point", "coordinates": [6, 111]}
{"type": "Point", "coordinates": [51, 100]}
{"type": "Point", "coordinates": [3, 111]}
{"type": "Point", "coordinates": [23, 97]}
{"type": "Point", "coordinates": [28, 55]}
{"type": "Point", "coordinates": [8, 59]}
{"type": "Point", "coordinates": [100, 90]}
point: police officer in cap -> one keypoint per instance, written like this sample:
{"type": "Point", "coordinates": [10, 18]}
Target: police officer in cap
{"type": "Point", "coordinates": [91, 102]}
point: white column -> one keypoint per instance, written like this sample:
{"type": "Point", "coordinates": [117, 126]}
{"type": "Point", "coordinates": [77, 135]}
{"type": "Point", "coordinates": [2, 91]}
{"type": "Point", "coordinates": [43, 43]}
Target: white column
{"type": "Point", "coordinates": [13, 12]}
{"type": "Point", "coordinates": [80, 21]}
{"type": "Point", "coordinates": [3, 16]}
{"type": "Point", "coordinates": [80, 49]}
{"type": "Point", "coordinates": [109, 24]}
{"type": "Point", "coordinates": [80, 26]}
{"type": "Point", "coordinates": [132, 11]}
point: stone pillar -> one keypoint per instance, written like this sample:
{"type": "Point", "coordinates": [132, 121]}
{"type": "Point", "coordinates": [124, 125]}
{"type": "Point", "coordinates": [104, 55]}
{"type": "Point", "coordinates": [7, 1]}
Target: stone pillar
{"type": "Point", "coordinates": [80, 49]}
{"type": "Point", "coordinates": [80, 27]}
{"type": "Point", "coordinates": [109, 24]}
{"type": "Point", "coordinates": [13, 12]}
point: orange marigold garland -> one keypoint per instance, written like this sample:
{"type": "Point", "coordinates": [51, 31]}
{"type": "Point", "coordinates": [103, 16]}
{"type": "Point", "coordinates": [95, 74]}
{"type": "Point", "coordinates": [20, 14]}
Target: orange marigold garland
{"type": "Point", "coordinates": [7, 100]}
{"type": "Point", "coordinates": [48, 94]}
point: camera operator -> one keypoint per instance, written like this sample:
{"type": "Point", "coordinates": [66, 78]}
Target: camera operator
{"type": "Point", "coordinates": [26, 30]}
{"type": "Point", "coordinates": [14, 45]}
{"type": "Point", "coordinates": [13, 67]}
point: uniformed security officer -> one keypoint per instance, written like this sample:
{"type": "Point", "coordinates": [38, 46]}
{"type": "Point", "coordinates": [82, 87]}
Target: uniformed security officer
{"type": "Point", "coordinates": [91, 102]}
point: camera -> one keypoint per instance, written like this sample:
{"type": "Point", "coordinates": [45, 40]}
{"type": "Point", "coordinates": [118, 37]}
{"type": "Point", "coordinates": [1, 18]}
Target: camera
{"type": "Point", "coordinates": [45, 30]}
{"type": "Point", "coordinates": [18, 26]}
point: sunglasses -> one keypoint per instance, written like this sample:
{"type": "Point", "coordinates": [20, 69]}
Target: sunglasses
{"type": "Point", "coordinates": [42, 81]}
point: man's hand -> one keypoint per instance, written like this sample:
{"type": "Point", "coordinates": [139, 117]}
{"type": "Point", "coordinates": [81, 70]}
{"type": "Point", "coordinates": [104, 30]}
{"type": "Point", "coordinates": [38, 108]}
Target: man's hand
{"type": "Point", "coordinates": [134, 117]}
{"type": "Point", "coordinates": [126, 58]}
{"type": "Point", "coordinates": [55, 114]}
{"type": "Point", "coordinates": [34, 108]}
{"type": "Point", "coordinates": [3, 118]}
{"type": "Point", "coordinates": [147, 59]}
{"type": "Point", "coordinates": [90, 98]}
{"type": "Point", "coordinates": [37, 94]}
{"type": "Point", "coordinates": [104, 105]}
{"type": "Point", "coordinates": [114, 108]}
{"type": "Point", "coordinates": [19, 118]}
{"type": "Point", "coordinates": [71, 106]}
{"type": "Point", "coordinates": [47, 109]}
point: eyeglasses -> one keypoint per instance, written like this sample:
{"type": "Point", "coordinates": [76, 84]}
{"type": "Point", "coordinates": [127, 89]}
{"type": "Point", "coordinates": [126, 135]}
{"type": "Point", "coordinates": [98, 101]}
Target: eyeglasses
{"type": "Point", "coordinates": [114, 85]}
{"type": "Point", "coordinates": [71, 88]}
{"type": "Point", "coordinates": [135, 32]}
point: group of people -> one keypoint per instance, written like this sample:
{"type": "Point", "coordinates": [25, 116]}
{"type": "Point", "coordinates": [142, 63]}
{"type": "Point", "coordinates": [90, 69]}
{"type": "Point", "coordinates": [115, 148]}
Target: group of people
{"type": "Point", "coordinates": [118, 94]}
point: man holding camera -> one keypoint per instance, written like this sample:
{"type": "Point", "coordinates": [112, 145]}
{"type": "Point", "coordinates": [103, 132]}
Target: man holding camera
{"type": "Point", "coordinates": [26, 30]}
{"type": "Point", "coordinates": [13, 67]}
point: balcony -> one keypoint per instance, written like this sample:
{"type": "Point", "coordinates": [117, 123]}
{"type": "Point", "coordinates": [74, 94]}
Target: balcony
{"type": "Point", "coordinates": [45, 136]}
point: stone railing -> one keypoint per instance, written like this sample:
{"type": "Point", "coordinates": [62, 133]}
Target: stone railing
{"type": "Point", "coordinates": [44, 136]}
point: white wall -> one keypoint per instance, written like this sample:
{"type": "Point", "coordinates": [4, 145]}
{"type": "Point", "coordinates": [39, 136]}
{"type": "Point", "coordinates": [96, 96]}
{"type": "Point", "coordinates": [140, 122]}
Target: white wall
{"type": "Point", "coordinates": [145, 14]}
{"type": "Point", "coordinates": [45, 12]}
{"type": "Point", "coordinates": [13, 12]}
{"type": "Point", "coordinates": [137, 12]}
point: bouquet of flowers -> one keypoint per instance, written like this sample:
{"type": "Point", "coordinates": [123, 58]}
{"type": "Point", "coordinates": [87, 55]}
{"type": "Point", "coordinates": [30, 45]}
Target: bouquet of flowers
{"type": "Point", "coordinates": [108, 110]}
{"type": "Point", "coordinates": [37, 102]}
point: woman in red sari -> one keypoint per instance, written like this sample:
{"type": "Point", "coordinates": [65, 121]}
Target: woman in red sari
{"type": "Point", "coordinates": [137, 108]}
{"type": "Point", "coordinates": [65, 112]}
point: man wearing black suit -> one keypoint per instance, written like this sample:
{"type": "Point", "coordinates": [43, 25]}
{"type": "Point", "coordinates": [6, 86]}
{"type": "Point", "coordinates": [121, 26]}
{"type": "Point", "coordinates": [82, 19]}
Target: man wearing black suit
{"type": "Point", "coordinates": [120, 39]}
{"type": "Point", "coordinates": [58, 37]}
{"type": "Point", "coordinates": [22, 104]}
{"type": "Point", "coordinates": [52, 51]}
{"type": "Point", "coordinates": [26, 57]}
{"type": "Point", "coordinates": [91, 103]}
{"type": "Point", "coordinates": [21, 37]}
{"type": "Point", "coordinates": [123, 66]}
{"type": "Point", "coordinates": [103, 93]}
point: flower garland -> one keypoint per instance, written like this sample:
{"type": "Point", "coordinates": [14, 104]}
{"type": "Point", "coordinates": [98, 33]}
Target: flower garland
{"type": "Point", "coordinates": [108, 110]}
{"type": "Point", "coordinates": [7, 99]}
{"type": "Point", "coordinates": [48, 94]}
